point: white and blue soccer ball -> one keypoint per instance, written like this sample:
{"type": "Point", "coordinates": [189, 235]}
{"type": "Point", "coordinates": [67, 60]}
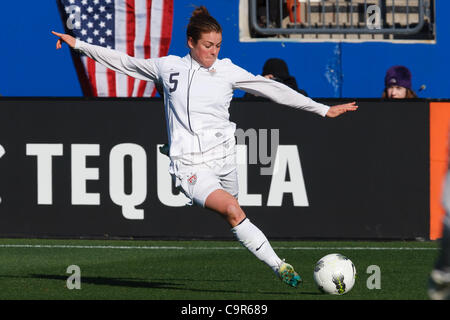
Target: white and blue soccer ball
{"type": "Point", "coordinates": [335, 274]}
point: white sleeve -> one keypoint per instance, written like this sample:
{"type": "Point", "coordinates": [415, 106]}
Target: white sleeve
{"type": "Point", "coordinates": [275, 91]}
{"type": "Point", "coordinates": [142, 69]}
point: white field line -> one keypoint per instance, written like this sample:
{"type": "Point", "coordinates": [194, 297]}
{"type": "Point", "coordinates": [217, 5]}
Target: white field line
{"type": "Point", "coordinates": [36, 246]}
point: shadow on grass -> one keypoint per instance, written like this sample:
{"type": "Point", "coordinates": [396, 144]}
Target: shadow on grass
{"type": "Point", "coordinates": [167, 284]}
{"type": "Point", "coordinates": [139, 283]}
{"type": "Point", "coordinates": [106, 281]}
{"type": "Point", "coordinates": [171, 285]}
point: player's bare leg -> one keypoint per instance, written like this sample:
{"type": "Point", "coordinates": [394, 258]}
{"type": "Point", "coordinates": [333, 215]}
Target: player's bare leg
{"type": "Point", "coordinates": [249, 235]}
{"type": "Point", "coordinates": [226, 205]}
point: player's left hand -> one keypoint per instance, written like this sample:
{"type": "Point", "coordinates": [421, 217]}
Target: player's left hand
{"type": "Point", "coordinates": [336, 111]}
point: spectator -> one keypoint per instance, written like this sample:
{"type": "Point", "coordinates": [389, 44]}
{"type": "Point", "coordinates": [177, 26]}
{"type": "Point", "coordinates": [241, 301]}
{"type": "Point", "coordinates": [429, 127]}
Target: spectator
{"type": "Point", "coordinates": [277, 69]}
{"type": "Point", "coordinates": [397, 83]}
{"type": "Point", "coordinates": [273, 8]}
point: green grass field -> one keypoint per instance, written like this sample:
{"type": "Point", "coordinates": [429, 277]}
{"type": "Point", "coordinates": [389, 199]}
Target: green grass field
{"type": "Point", "coordinates": [202, 270]}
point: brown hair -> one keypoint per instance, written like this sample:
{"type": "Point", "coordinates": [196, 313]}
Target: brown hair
{"type": "Point", "coordinates": [409, 94]}
{"type": "Point", "coordinates": [201, 22]}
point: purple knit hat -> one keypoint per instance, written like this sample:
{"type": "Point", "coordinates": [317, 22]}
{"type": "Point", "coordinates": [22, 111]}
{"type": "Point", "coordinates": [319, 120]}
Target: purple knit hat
{"type": "Point", "coordinates": [398, 76]}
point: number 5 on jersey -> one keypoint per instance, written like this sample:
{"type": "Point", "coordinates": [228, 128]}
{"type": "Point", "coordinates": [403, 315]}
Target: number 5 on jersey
{"type": "Point", "coordinates": [173, 81]}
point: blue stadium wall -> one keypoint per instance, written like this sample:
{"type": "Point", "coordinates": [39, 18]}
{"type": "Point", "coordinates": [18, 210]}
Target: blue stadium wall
{"type": "Point", "coordinates": [32, 67]}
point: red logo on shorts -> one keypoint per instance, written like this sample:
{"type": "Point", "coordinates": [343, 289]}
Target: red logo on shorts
{"type": "Point", "coordinates": [193, 179]}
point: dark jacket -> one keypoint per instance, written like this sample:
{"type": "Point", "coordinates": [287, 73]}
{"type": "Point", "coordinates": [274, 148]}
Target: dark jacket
{"type": "Point", "coordinates": [279, 69]}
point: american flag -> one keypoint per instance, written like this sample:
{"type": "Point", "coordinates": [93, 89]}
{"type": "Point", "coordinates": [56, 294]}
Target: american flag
{"type": "Point", "coordinates": [140, 28]}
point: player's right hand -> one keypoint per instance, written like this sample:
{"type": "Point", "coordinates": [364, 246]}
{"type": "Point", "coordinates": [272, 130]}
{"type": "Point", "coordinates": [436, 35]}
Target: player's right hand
{"type": "Point", "coordinates": [66, 38]}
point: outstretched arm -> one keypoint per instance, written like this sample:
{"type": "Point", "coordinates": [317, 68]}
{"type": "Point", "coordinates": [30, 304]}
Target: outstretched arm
{"type": "Point", "coordinates": [282, 94]}
{"type": "Point", "coordinates": [278, 92]}
{"type": "Point", "coordinates": [142, 69]}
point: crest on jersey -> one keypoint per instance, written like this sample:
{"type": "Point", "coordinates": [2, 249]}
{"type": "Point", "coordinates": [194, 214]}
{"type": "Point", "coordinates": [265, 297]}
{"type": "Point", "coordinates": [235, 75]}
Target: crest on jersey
{"type": "Point", "coordinates": [192, 179]}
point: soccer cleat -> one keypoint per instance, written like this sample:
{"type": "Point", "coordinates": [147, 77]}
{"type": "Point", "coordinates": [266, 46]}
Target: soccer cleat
{"type": "Point", "coordinates": [439, 285]}
{"type": "Point", "coordinates": [288, 275]}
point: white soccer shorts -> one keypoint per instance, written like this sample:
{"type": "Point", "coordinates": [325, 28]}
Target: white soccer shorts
{"type": "Point", "coordinates": [199, 179]}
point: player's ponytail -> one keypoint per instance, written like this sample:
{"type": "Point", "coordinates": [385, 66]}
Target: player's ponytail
{"type": "Point", "coordinates": [201, 22]}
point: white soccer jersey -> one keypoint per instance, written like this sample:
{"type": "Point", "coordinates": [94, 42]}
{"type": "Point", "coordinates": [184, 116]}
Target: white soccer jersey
{"type": "Point", "coordinates": [196, 98]}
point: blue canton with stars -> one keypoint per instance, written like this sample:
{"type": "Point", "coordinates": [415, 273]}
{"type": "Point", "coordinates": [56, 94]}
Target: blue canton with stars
{"type": "Point", "coordinates": [91, 21]}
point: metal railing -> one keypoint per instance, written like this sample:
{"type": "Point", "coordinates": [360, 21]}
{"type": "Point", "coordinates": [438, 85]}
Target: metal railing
{"type": "Point", "coordinates": [393, 17]}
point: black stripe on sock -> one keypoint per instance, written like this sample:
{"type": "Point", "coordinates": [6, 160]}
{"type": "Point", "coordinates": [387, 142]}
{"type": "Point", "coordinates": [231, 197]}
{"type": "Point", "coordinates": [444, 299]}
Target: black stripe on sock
{"type": "Point", "coordinates": [241, 221]}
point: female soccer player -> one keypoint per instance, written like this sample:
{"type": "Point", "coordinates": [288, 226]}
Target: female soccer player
{"type": "Point", "coordinates": [198, 89]}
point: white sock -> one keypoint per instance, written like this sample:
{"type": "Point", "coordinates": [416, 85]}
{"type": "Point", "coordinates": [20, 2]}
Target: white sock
{"type": "Point", "coordinates": [256, 242]}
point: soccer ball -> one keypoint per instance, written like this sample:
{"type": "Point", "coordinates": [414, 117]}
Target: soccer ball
{"type": "Point", "coordinates": [335, 274]}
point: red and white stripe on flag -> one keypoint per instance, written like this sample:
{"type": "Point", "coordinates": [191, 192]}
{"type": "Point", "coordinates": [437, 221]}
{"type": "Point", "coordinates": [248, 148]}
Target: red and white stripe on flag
{"type": "Point", "coordinates": [143, 29]}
